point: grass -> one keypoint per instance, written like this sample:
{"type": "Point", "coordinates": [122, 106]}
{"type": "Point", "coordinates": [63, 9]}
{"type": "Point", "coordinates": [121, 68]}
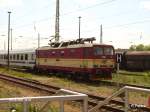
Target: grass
{"type": "Point", "coordinates": [63, 82]}
{"type": "Point", "coordinates": [125, 77]}
{"type": "Point", "coordinates": [138, 78]}
{"type": "Point", "coordinates": [9, 91]}
{"type": "Point", "coordinates": [15, 73]}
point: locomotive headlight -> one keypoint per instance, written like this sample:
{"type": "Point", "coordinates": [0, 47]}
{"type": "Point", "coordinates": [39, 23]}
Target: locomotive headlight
{"type": "Point", "coordinates": [95, 66]}
{"type": "Point", "coordinates": [104, 61]}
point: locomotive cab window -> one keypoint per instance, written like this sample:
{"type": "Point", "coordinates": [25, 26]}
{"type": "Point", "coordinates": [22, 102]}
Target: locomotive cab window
{"type": "Point", "coordinates": [98, 51]}
{"type": "Point", "coordinates": [108, 51]}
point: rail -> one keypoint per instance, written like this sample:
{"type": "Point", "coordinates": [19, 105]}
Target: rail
{"type": "Point", "coordinates": [125, 90]}
{"type": "Point", "coordinates": [69, 96]}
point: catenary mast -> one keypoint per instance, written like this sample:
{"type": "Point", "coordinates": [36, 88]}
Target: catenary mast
{"type": "Point", "coordinates": [57, 22]}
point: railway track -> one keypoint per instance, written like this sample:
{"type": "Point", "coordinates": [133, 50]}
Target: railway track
{"type": "Point", "coordinates": [117, 84]}
{"type": "Point", "coordinates": [101, 82]}
{"type": "Point", "coordinates": [113, 106]}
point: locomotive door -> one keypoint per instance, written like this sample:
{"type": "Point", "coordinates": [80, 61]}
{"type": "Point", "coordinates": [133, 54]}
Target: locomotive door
{"type": "Point", "coordinates": [85, 58]}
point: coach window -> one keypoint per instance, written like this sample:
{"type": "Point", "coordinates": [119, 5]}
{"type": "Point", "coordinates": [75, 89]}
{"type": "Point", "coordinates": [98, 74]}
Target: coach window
{"type": "Point", "coordinates": [32, 56]}
{"type": "Point", "coordinates": [10, 57]}
{"type": "Point", "coordinates": [5, 57]}
{"type": "Point", "coordinates": [21, 56]}
{"type": "Point", "coordinates": [98, 51]}
{"type": "Point", "coordinates": [17, 56]}
{"type": "Point", "coordinates": [14, 57]}
{"type": "Point", "coordinates": [26, 56]}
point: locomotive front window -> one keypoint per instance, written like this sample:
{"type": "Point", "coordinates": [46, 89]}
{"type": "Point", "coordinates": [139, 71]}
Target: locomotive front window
{"type": "Point", "coordinates": [98, 51]}
{"type": "Point", "coordinates": [108, 51]}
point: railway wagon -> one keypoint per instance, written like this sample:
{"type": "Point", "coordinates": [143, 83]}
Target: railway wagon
{"type": "Point", "coordinates": [136, 60]}
{"type": "Point", "coordinates": [19, 58]}
{"type": "Point", "coordinates": [80, 58]}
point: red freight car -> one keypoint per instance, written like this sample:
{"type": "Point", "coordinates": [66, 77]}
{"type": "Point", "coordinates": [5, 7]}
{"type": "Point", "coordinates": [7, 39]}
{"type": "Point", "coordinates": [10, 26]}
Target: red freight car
{"type": "Point", "coordinates": [81, 58]}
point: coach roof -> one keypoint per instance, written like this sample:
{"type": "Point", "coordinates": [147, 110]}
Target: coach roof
{"type": "Point", "coordinates": [18, 51]}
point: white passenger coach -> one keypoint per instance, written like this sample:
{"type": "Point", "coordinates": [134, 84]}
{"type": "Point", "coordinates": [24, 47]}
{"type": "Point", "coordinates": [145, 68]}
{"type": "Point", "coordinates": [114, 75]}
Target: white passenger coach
{"type": "Point", "coordinates": [21, 58]}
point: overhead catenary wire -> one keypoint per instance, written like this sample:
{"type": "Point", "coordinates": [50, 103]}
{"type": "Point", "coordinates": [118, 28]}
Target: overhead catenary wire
{"type": "Point", "coordinates": [78, 10]}
{"type": "Point", "coordinates": [121, 25]}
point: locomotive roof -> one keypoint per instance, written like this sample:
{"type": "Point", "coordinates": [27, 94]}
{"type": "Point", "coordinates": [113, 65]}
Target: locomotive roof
{"type": "Point", "coordinates": [138, 53]}
{"type": "Point", "coordinates": [72, 46]}
{"type": "Point", "coordinates": [18, 51]}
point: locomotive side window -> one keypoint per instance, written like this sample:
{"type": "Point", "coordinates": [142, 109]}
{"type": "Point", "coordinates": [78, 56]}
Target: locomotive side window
{"type": "Point", "coordinates": [62, 53]}
{"type": "Point", "coordinates": [53, 52]}
{"type": "Point", "coordinates": [86, 52]}
{"type": "Point", "coordinates": [72, 50]}
{"type": "Point", "coordinates": [108, 51]}
{"type": "Point", "coordinates": [98, 51]}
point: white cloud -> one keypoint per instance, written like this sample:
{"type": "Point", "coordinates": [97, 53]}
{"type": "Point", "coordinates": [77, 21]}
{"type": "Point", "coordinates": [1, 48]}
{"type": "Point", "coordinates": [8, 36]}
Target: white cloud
{"type": "Point", "coordinates": [145, 4]}
{"type": "Point", "coordinates": [10, 3]}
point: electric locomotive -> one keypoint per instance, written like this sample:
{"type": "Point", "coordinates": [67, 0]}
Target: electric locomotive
{"type": "Point", "coordinates": [81, 58]}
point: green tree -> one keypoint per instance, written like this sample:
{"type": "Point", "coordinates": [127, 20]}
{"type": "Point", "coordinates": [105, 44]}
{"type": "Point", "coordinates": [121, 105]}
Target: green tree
{"type": "Point", "coordinates": [132, 47]}
{"type": "Point", "coordinates": [140, 47]}
{"type": "Point", "coordinates": [147, 48]}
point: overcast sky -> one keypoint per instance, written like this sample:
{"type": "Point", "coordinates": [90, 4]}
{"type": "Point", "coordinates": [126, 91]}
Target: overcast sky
{"type": "Point", "coordinates": [125, 22]}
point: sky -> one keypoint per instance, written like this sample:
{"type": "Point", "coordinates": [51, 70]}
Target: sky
{"type": "Point", "coordinates": [125, 22]}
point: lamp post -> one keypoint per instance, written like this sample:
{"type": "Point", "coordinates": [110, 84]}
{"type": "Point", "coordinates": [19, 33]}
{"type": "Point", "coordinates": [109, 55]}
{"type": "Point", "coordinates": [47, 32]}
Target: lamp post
{"type": "Point", "coordinates": [8, 38]}
{"type": "Point", "coordinates": [38, 40]}
{"type": "Point", "coordinates": [79, 26]}
{"type": "Point", "coordinates": [11, 38]}
{"type": "Point", "coordinates": [101, 34]}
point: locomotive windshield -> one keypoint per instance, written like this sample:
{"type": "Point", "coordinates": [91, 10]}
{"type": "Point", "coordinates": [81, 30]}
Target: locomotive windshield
{"type": "Point", "coordinates": [98, 51]}
{"type": "Point", "coordinates": [103, 51]}
{"type": "Point", "coordinates": [108, 51]}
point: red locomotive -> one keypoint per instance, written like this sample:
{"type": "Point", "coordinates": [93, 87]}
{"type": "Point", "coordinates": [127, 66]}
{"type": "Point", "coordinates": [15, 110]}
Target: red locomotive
{"type": "Point", "coordinates": [80, 58]}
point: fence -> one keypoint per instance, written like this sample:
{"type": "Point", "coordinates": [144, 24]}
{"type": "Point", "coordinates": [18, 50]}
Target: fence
{"type": "Point", "coordinates": [125, 90]}
{"type": "Point", "coordinates": [69, 96]}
